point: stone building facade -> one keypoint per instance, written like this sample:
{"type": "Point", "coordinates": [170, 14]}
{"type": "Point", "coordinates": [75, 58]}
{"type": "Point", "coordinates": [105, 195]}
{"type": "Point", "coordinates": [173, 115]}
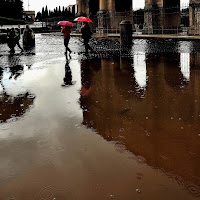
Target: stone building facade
{"type": "Point", "coordinates": [106, 14]}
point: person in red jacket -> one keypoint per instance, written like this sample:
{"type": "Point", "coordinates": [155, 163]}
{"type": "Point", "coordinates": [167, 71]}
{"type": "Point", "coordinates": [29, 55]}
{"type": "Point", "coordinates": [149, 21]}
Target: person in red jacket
{"type": "Point", "coordinates": [66, 34]}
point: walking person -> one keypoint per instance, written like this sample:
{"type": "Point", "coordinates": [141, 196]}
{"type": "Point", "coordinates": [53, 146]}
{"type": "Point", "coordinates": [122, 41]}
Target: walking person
{"type": "Point", "coordinates": [66, 34]}
{"type": "Point", "coordinates": [86, 35]}
{"type": "Point", "coordinates": [10, 40]}
{"type": "Point", "coordinates": [17, 38]}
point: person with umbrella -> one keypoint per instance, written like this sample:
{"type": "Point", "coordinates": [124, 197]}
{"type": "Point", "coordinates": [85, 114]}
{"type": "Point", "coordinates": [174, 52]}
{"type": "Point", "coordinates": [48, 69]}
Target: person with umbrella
{"type": "Point", "coordinates": [66, 34]}
{"type": "Point", "coordinates": [10, 39]}
{"type": "Point", "coordinates": [86, 32]}
{"type": "Point", "coordinates": [86, 35]}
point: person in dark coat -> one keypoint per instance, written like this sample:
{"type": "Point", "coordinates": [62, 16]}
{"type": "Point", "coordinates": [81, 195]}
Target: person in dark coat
{"type": "Point", "coordinates": [10, 39]}
{"type": "Point", "coordinates": [86, 35]}
{"type": "Point", "coordinates": [28, 37]}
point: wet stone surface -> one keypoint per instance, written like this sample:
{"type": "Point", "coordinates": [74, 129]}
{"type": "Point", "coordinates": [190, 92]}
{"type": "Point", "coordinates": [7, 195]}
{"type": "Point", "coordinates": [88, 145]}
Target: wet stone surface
{"type": "Point", "coordinates": [125, 126]}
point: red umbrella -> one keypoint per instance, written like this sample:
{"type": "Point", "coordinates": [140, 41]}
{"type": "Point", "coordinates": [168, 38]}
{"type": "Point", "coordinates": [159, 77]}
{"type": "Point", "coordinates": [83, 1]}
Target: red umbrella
{"type": "Point", "coordinates": [66, 23]}
{"type": "Point", "coordinates": [81, 19]}
{"type": "Point", "coordinates": [85, 91]}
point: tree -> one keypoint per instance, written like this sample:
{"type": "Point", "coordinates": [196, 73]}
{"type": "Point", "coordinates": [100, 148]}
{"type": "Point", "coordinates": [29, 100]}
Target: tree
{"type": "Point", "coordinates": [43, 14]}
{"type": "Point", "coordinates": [39, 16]}
{"type": "Point", "coordinates": [59, 11]}
{"type": "Point", "coordinates": [56, 12]}
{"type": "Point", "coordinates": [15, 8]}
{"type": "Point", "coordinates": [46, 13]}
{"type": "Point", "coordinates": [138, 16]}
{"type": "Point", "coordinates": [63, 11]}
{"type": "Point", "coordinates": [185, 17]}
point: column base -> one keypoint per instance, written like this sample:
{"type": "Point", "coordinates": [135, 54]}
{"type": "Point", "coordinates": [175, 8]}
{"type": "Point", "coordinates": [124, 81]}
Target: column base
{"type": "Point", "coordinates": [103, 21]}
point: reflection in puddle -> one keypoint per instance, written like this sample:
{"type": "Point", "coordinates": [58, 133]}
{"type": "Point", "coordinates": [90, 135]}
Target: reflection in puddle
{"type": "Point", "coordinates": [145, 104]}
{"type": "Point", "coordinates": [13, 107]}
{"type": "Point", "coordinates": [140, 70]}
{"type": "Point", "coordinates": [160, 129]}
{"type": "Point", "coordinates": [185, 65]}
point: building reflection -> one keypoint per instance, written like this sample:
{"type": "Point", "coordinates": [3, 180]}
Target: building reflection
{"type": "Point", "coordinates": [161, 125]}
{"type": "Point", "coordinates": [140, 73]}
{"type": "Point", "coordinates": [185, 65]}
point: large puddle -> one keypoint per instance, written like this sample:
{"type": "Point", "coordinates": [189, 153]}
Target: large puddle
{"type": "Point", "coordinates": [128, 128]}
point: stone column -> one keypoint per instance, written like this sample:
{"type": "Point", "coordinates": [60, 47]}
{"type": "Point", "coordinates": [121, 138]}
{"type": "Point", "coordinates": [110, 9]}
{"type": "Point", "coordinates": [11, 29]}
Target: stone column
{"type": "Point", "coordinates": [111, 6]}
{"type": "Point", "coordinates": [103, 5]}
{"type": "Point", "coordinates": [102, 17]}
{"type": "Point", "coordinates": [80, 6]}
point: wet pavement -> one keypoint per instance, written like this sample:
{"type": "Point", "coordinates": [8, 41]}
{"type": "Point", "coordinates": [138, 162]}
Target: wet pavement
{"type": "Point", "coordinates": [127, 128]}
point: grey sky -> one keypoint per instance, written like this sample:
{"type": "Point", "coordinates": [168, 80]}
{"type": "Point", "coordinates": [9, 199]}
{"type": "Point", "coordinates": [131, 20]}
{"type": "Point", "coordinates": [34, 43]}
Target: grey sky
{"type": "Point", "coordinates": [51, 4]}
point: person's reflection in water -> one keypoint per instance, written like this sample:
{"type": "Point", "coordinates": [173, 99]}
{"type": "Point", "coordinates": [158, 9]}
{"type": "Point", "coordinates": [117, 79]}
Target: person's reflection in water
{"type": "Point", "coordinates": [13, 106]}
{"type": "Point", "coordinates": [16, 69]}
{"type": "Point", "coordinates": [1, 78]}
{"type": "Point", "coordinates": [86, 78]}
{"type": "Point", "coordinates": [29, 50]}
{"type": "Point", "coordinates": [67, 80]}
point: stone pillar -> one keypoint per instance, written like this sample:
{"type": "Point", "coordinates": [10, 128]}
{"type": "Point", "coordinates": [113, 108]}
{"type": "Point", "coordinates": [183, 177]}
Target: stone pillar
{"type": "Point", "coordinates": [80, 6]}
{"type": "Point", "coordinates": [111, 6]}
{"type": "Point", "coordinates": [102, 16]}
{"type": "Point", "coordinates": [125, 33]}
{"type": "Point", "coordinates": [103, 5]}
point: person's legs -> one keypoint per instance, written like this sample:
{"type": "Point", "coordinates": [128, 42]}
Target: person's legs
{"type": "Point", "coordinates": [90, 48]}
{"type": "Point", "coordinates": [66, 42]}
{"type": "Point", "coordinates": [12, 48]}
{"type": "Point", "coordinates": [87, 46]}
{"type": "Point", "coordinates": [19, 46]}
